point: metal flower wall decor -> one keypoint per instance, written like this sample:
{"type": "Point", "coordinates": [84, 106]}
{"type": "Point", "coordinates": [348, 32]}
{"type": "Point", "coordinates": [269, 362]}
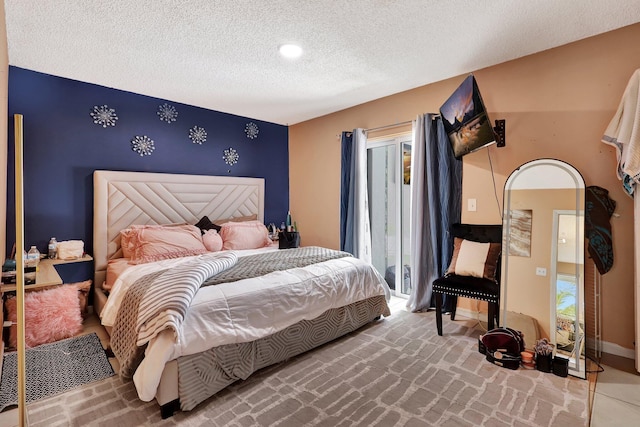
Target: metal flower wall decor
{"type": "Point", "coordinates": [143, 145]}
{"type": "Point", "coordinates": [251, 129]}
{"type": "Point", "coordinates": [231, 156]}
{"type": "Point", "coordinates": [104, 116]}
{"type": "Point", "coordinates": [197, 135]}
{"type": "Point", "coordinates": [167, 113]}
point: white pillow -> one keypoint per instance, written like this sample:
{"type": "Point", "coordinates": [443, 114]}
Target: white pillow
{"type": "Point", "coordinates": [474, 259]}
{"type": "Point", "coordinates": [471, 258]}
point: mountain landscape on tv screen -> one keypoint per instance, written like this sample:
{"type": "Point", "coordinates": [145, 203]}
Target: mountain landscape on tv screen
{"type": "Point", "coordinates": [465, 119]}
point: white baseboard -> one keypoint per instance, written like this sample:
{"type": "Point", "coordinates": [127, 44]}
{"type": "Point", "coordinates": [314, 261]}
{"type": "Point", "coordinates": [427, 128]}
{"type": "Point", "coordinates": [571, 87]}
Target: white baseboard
{"type": "Point", "coordinates": [618, 350]}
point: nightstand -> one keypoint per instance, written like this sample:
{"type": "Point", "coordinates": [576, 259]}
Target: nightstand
{"type": "Point", "coordinates": [47, 275]}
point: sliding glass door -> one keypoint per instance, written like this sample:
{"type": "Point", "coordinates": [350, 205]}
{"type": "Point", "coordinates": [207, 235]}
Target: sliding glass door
{"type": "Point", "coordinates": [388, 166]}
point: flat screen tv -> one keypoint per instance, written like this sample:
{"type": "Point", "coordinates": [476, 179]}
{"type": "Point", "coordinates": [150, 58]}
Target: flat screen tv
{"type": "Point", "coordinates": [465, 119]}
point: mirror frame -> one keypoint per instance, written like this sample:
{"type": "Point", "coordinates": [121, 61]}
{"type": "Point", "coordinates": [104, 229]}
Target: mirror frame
{"type": "Point", "coordinates": [523, 178]}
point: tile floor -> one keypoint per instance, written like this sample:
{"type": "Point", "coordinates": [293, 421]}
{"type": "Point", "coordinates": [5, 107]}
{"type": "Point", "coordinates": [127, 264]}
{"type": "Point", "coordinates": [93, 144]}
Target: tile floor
{"type": "Point", "coordinates": [615, 392]}
{"type": "Point", "coordinates": [616, 401]}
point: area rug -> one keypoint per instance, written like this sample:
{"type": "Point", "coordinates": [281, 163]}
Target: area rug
{"type": "Point", "coordinates": [393, 372]}
{"type": "Point", "coordinates": [55, 368]}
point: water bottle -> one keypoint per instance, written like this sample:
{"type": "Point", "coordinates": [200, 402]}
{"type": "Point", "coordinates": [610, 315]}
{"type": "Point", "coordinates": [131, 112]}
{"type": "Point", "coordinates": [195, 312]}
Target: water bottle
{"type": "Point", "coordinates": [289, 226]}
{"type": "Point", "coordinates": [52, 248]}
{"type": "Point", "coordinates": [33, 257]}
{"type": "Point", "coordinates": [30, 265]}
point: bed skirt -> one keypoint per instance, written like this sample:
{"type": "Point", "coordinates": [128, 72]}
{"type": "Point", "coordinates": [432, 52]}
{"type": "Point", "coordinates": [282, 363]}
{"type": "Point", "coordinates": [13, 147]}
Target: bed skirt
{"type": "Point", "coordinates": [202, 375]}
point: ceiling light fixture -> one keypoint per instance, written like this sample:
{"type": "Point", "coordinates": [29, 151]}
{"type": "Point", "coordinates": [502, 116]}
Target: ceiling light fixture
{"type": "Point", "coordinates": [290, 51]}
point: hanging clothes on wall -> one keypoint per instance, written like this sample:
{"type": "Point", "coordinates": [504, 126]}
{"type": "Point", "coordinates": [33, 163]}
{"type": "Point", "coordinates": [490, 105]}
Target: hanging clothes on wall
{"type": "Point", "coordinates": [623, 133]}
{"type": "Point", "coordinates": [597, 228]}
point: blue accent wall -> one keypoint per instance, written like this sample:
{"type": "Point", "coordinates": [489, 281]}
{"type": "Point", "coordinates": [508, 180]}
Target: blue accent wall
{"type": "Point", "coordinates": [63, 146]}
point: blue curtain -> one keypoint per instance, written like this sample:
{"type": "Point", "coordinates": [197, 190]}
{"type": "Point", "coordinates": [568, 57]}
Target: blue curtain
{"type": "Point", "coordinates": [436, 199]}
{"type": "Point", "coordinates": [346, 221]}
{"type": "Point", "coordinates": [355, 231]}
{"type": "Point", "coordinates": [445, 202]}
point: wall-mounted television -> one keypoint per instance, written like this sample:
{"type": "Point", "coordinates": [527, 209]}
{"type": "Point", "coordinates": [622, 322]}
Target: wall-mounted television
{"type": "Point", "coordinates": [466, 120]}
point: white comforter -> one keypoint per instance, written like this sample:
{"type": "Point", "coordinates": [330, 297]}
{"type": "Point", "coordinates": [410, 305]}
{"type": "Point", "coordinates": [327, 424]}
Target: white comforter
{"type": "Point", "coordinates": [246, 310]}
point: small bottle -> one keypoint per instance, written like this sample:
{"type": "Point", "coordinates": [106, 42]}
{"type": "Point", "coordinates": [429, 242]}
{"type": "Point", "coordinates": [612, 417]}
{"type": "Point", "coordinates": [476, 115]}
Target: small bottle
{"type": "Point", "coordinates": [30, 265]}
{"type": "Point", "coordinates": [295, 226]}
{"type": "Point", "coordinates": [33, 257]}
{"type": "Point", "coordinates": [52, 248]}
{"type": "Point", "coordinates": [283, 227]}
{"type": "Point", "coordinates": [289, 226]}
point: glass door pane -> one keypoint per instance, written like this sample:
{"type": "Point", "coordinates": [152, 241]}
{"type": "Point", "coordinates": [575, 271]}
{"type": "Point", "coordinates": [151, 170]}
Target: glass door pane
{"type": "Point", "coordinates": [405, 209]}
{"type": "Point", "coordinates": [389, 212]}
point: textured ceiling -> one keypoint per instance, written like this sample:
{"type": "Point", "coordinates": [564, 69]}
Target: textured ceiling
{"type": "Point", "coordinates": [222, 55]}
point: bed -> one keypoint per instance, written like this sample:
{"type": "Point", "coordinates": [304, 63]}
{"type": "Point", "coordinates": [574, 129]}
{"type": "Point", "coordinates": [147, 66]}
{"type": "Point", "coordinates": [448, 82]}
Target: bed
{"type": "Point", "coordinates": [280, 313]}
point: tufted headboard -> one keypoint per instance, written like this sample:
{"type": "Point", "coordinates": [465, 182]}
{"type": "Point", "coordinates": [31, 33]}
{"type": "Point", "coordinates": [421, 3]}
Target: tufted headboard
{"type": "Point", "coordinates": [121, 199]}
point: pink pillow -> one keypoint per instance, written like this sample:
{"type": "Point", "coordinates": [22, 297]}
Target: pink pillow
{"type": "Point", "coordinates": [221, 221]}
{"type": "Point", "coordinates": [212, 240]}
{"type": "Point", "coordinates": [244, 235]}
{"type": "Point", "coordinates": [49, 315]}
{"type": "Point", "coordinates": [115, 267]}
{"type": "Point", "coordinates": [126, 242]}
{"type": "Point", "coordinates": [158, 242]}
{"type": "Point", "coordinates": [129, 235]}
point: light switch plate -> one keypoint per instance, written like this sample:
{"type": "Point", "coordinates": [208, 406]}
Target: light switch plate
{"type": "Point", "coordinates": [541, 271]}
{"type": "Point", "coordinates": [471, 205]}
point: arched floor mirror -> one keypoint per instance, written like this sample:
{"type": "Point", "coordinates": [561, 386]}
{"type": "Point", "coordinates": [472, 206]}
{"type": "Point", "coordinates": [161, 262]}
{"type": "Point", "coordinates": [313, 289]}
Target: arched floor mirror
{"type": "Point", "coordinates": [543, 255]}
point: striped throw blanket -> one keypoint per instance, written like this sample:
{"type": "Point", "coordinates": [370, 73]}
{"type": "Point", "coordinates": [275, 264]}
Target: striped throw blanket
{"type": "Point", "coordinates": [159, 301]}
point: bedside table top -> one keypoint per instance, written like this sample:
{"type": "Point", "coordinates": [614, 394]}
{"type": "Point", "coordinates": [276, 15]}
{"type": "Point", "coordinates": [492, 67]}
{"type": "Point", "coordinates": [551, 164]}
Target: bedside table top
{"type": "Point", "coordinates": [47, 275]}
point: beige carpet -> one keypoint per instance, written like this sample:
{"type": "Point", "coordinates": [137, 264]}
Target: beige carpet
{"type": "Point", "coordinates": [395, 372]}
